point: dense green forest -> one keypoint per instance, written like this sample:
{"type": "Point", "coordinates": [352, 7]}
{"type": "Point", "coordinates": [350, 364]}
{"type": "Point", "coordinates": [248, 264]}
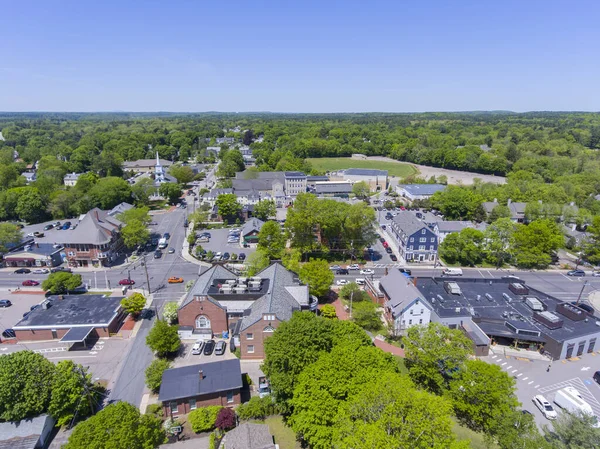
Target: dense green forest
{"type": "Point", "coordinates": [552, 157]}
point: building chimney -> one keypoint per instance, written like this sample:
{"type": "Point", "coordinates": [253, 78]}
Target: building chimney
{"type": "Point", "coordinates": [200, 375]}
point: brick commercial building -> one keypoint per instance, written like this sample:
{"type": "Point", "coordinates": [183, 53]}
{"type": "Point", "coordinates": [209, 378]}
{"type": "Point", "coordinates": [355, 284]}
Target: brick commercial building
{"type": "Point", "coordinates": [186, 388]}
{"type": "Point", "coordinates": [72, 319]}
{"type": "Point", "coordinates": [250, 309]}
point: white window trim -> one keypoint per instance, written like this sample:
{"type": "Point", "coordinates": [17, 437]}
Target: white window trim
{"type": "Point", "coordinates": [250, 349]}
{"type": "Point", "coordinates": [250, 336]}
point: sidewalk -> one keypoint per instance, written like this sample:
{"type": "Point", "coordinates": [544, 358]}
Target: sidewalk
{"type": "Point", "coordinates": [394, 350]}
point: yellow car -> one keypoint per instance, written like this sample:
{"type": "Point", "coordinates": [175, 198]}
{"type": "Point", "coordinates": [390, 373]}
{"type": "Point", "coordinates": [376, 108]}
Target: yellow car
{"type": "Point", "coordinates": [175, 280]}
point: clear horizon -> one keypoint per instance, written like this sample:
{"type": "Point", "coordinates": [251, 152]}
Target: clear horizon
{"type": "Point", "coordinates": [314, 57]}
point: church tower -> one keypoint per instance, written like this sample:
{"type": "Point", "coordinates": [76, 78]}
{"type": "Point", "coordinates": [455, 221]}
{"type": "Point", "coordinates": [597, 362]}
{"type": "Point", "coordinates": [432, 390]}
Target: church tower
{"type": "Point", "coordinates": [159, 171]}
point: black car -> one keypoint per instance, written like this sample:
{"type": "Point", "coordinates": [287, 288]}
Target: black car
{"type": "Point", "coordinates": [597, 377]}
{"type": "Point", "coordinates": [167, 235]}
{"type": "Point", "coordinates": [226, 256]}
{"type": "Point", "coordinates": [388, 250]}
{"type": "Point", "coordinates": [9, 333]}
{"type": "Point", "coordinates": [157, 254]}
{"type": "Point", "coordinates": [341, 271]}
{"type": "Point", "coordinates": [381, 239]}
{"type": "Point", "coordinates": [5, 303]}
{"type": "Point", "coordinates": [48, 227]}
{"type": "Point", "coordinates": [241, 256]}
{"type": "Point", "coordinates": [393, 257]}
{"type": "Point", "coordinates": [57, 269]}
{"type": "Point", "coordinates": [23, 271]}
{"type": "Point", "coordinates": [185, 223]}
{"type": "Point", "coordinates": [405, 270]}
{"type": "Point", "coordinates": [209, 347]}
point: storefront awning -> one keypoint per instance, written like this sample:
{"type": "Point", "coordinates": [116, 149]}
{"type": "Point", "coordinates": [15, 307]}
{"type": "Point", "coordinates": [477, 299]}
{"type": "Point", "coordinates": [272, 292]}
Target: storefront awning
{"type": "Point", "coordinates": [77, 334]}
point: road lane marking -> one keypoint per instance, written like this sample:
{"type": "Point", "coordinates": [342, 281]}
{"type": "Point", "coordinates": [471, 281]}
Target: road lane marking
{"type": "Point", "coordinates": [567, 277]}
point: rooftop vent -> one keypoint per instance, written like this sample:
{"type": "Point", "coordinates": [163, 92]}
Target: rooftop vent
{"type": "Point", "coordinates": [518, 289]}
{"type": "Point", "coordinates": [534, 304]}
{"type": "Point", "coordinates": [571, 311]}
{"type": "Point", "coordinates": [548, 319]}
{"type": "Point", "coordinates": [452, 288]}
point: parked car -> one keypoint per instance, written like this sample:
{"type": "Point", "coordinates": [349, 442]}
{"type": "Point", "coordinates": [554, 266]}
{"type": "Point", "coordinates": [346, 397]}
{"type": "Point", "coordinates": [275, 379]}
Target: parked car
{"type": "Point", "coordinates": [226, 256]}
{"type": "Point", "coordinates": [57, 269]}
{"type": "Point", "coordinates": [171, 250]}
{"type": "Point", "coordinates": [175, 280]}
{"type": "Point", "coordinates": [264, 387]}
{"type": "Point", "coordinates": [589, 309]}
{"type": "Point", "coordinates": [576, 273]}
{"type": "Point", "coordinates": [596, 274]}
{"type": "Point", "coordinates": [30, 283]}
{"type": "Point", "coordinates": [185, 223]}
{"type": "Point", "coordinates": [385, 244]}
{"type": "Point", "coordinates": [342, 282]}
{"type": "Point", "coordinates": [405, 270]}
{"type": "Point", "coordinates": [354, 266]}
{"type": "Point", "coordinates": [334, 267]}
{"type": "Point", "coordinates": [367, 271]}
{"type": "Point", "coordinates": [38, 234]}
{"type": "Point", "coordinates": [157, 254]}
{"type": "Point", "coordinates": [381, 239]}
{"type": "Point", "coordinates": [360, 281]}
{"type": "Point", "coordinates": [197, 348]}
{"type": "Point", "coordinates": [41, 271]}
{"type": "Point", "coordinates": [209, 347]}
{"type": "Point", "coordinates": [126, 282]}
{"type": "Point", "coordinates": [220, 347]}
{"type": "Point", "coordinates": [22, 271]}
{"type": "Point", "coordinates": [342, 271]}
{"type": "Point", "coordinates": [166, 235]}
{"type": "Point", "coordinates": [48, 227]}
{"type": "Point", "coordinates": [241, 256]}
{"type": "Point", "coordinates": [393, 257]}
{"type": "Point", "coordinates": [597, 377]}
{"type": "Point", "coordinates": [8, 333]}
{"type": "Point", "coordinates": [5, 303]}
{"type": "Point", "coordinates": [388, 250]}
{"type": "Point", "coordinates": [66, 225]}
{"type": "Point", "coordinates": [545, 407]}
{"type": "Point", "coordinates": [207, 234]}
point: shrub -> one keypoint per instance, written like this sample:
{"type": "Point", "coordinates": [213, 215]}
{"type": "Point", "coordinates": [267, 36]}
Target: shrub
{"type": "Point", "coordinates": [328, 311]}
{"type": "Point", "coordinates": [154, 373]}
{"type": "Point", "coordinates": [154, 409]}
{"type": "Point", "coordinates": [203, 419]}
{"type": "Point", "coordinates": [257, 408]}
{"type": "Point", "coordinates": [225, 419]}
{"type": "Point", "coordinates": [212, 441]}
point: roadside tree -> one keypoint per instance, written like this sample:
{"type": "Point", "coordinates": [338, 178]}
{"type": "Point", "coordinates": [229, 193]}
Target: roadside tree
{"type": "Point", "coordinates": [10, 235]}
{"type": "Point", "coordinates": [271, 240]}
{"type": "Point", "coordinates": [74, 394]}
{"type": "Point", "coordinates": [361, 190]}
{"type": "Point", "coordinates": [228, 206]}
{"type": "Point", "coordinates": [154, 373]}
{"type": "Point", "coordinates": [170, 191]}
{"type": "Point", "coordinates": [183, 173]}
{"type": "Point", "coordinates": [133, 304]}
{"type": "Point", "coordinates": [170, 312]}
{"type": "Point", "coordinates": [535, 242]}
{"type": "Point", "coordinates": [61, 282]}
{"type": "Point", "coordinates": [317, 275]}
{"type": "Point", "coordinates": [163, 339]}
{"type": "Point", "coordinates": [328, 311]}
{"type": "Point", "coordinates": [135, 233]}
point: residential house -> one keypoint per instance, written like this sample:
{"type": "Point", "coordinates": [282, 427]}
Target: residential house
{"type": "Point", "coordinates": [251, 229]}
{"type": "Point", "coordinates": [70, 179]}
{"type": "Point", "coordinates": [29, 176]}
{"type": "Point", "coordinates": [249, 436]}
{"type": "Point", "coordinates": [377, 180]}
{"type": "Point", "coordinates": [404, 304]}
{"type": "Point", "coordinates": [416, 241]}
{"type": "Point", "coordinates": [226, 140]}
{"type": "Point", "coordinates": [96, 240]}
{"type": "Point", "coordinates": [213, 150]}
{"type": "Point", "coordinates": [186, 388]}
{"type": "Point", "coordinates": [119, 209]}
{"type": "Point", "coordinates": [30, 433]}
{"type": "Point", "coordinates": [145, 165]}
{"type": "Point", "coordinates": [444, 228]}
{"type": "Point", "coordinates": [517, 210]}
{"type": "Point", "coordinates": [211, 197]}
{"type": "Point", "coordinates": [249, 308]}
{"type": "Point", "coordinates": [419, 191]}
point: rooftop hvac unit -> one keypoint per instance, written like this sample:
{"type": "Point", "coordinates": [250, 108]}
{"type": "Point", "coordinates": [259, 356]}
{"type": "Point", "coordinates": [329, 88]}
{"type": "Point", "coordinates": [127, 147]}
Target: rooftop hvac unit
{"type": "Point", "coordinates": [239, 289]}
{"type": "Point", "coordinates": [242, 280]}
{"type": "Point", "coordinates": [518, 289]}
{"type": "Point", "coordinates": [548, 319]}
{"type": "Point", "coordinates": [534, 303]}
{"type": "Point", "coordinates": [225, 289]}
{"type": "Point", "coordinates": [441, 298]}
{"type": "Point", "coordinates": [571, 311]}
{"type": "Point", "coordinates": [452, 288]}
{"type": "Point", "coordinates": [255, 279]}
{"type": "Point", "coordinates": [457, 309]}
{"type": "Point", "coordinates": [230, 282]}
{"type": "Point", "coordinates": [254, 284]}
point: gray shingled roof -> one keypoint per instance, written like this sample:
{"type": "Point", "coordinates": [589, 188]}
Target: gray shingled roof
{"type": "Point", "coordinates": [517, 208]}
{"type": "Point", "coordinates": [23, 434]}
{"type": "Point", "coordinates": [400, 290]}
{"type": "Point", "coordinates": [365, 172]}
{"type": "Point", "coordinates": [408, 222]}
{"type": "Point", "coordinates": [185, 382]}
{"type": "Point", "coordinates": [333, 187]}
{"type": "Point", "coordinates": [95, 229]}
{"type": "Point", "coordinates": [249, 436]}
{"type": "Point", "coordinates": [254, 224]}
{"type": "Point", "coordinates": [489, 206]}
{"type": "Point", "coordinates": [279, 300]}
{"type": "Point", "coordinates": [453, 226]}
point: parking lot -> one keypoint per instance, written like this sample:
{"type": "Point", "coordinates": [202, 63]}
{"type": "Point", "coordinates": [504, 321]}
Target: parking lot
{"type": "Point", "coordinates": [21, 304]}
{"type": "Point", "coordinates": [187, 358]}
{"type": "Point", "coordinates": [218, 243]}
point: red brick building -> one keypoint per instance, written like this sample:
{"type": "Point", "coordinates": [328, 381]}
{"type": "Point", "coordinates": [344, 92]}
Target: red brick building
{"type": "Point", "coordinates": [249, 308]}
{"type": "Point", "coordinates": [72, 319]}
{"type": "Point", "coordinates": [186, 388]}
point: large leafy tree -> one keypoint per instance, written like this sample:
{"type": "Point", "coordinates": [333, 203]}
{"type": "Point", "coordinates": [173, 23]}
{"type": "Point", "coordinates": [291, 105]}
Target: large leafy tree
{"type": "Point", "coordinates": [10, 235]}
{"type": "Point", "coordinates": [154, 373]}
{"type": "Point", "coordinates": [271, 240]}
{"type": "Point", "coordinates": [592, 246]}
{"type": "Point", "coordinates": [389, 412]}
{"type": "Point", "coordinates": [464, 247]}
{"type": "Point", "coordinates": [143, 190]}
{"type": "Point", "coordinates": [119, 425]}
{"type": "Point", "coordinates": [499, 241]}
{"type": "Point", "coordinates": [172, 192]}
{"type": "Point", "coordinates": [482, 394]}
{"type": "Point", "coordinates": [74, 395]}
{"type": "Point", "coordinates": [134, 303]}
{"type": "Point", "coordinates": [317, 275]}
{"type": "Point", "coordinates": [433, 353]}
{"type": "Point", "coordinates": [264, 209]}
{"type": "Point", "coordinates": [135, 233]}
{"type": "Point", "coordinates": [61, 282]}
{"type": "Point", "coordinates": [31, 206]}
{"type": "Point", "coordinates": [141, 214]}
{"type": "Point", "coordinates": [361, 190]}
{"type": "Point", "coordinates": [297, 343]}
{"type": "Point", "coordinates": [26, 381]}
{"type": "Point", "coordinates": [535, 243]}
{"type": "Point", "coordinates": [457, 203]}
{"type": "Point", "coordinates": [228, 206]}
{"type": "Point", "coordinates": [163, 339]}
{"type": "Point", "coordinates": [573, 432]}
{"type": "Point", "coordinates": [183, 173]}
{"type": "Point", "coordinates": [325, 385]}
{"type": "Point", "coordinates": [110, 191]}
{"type": "Point", "coordinates": [256, 262]}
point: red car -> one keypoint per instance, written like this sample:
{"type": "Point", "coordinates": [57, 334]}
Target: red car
{"type": "Point", "coordinates": [126, 282]}
{"type": "Point", "coordinates": [385, 244]}
{"type": "Point", "coordinates": [30, 283]}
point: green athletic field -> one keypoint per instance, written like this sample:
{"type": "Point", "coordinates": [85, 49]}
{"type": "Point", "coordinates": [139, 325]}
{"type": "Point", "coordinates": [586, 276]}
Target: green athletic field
{"type": "Point", "coordinates": [398, 169]}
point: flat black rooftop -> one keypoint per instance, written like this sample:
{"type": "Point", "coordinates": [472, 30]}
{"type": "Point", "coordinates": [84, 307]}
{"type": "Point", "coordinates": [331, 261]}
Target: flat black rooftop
{"type": "Point", "coordinates": [73, 310]}
{"type": "Point", "coordinates": [486, 301]}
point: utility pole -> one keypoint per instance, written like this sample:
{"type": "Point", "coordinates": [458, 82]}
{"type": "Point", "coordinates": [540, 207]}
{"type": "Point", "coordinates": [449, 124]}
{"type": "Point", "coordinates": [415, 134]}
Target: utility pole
{"type": "Point", "coordinates": [581, 293]}
{"type": "Point", "coordinates": [147, 277]}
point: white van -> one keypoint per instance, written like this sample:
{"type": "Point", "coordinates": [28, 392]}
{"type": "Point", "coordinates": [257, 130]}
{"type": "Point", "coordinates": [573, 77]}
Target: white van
{"type": "Point", "coordinates": [452, 272]}
{"type": "Point", "coordinates": [570, 399]}
{"type": "Point", "coordinates": [162, 243]}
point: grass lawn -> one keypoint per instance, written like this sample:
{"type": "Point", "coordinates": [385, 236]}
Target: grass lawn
{"type": "Point", "coordinates": [284, 436]}
{"type": "Point", "coordinates": [476, 439]}
{"type": "Point", "coordinates": [399, 169]}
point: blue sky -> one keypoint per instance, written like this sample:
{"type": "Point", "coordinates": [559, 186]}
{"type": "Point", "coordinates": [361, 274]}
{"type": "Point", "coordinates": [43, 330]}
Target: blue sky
{"type": "Point", "coordinates": [301, 56]}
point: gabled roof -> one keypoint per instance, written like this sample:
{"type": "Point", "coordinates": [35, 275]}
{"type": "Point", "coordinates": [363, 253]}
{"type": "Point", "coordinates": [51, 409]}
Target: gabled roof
{"type": "Point", "coordinates": [408, 222]}
{"type": "Point", "coordinates": [72, 176]}
{"type": "Point", "coordinates": [453, 226]}
{"type": "Point", "coordinates": [400, 291]}
{"type": "Point", "coordinates": [185, 382]}
{"type": "Point", "coordinates": [205, 280]}
{"type": "Point", "coordinates": [254, 224]}
{"type": "Point", "coordinates": [249, 436]}
{"type": "Point", "coordinates": [146, 163]}
{"type": "Point", "coordinates": [489, 206]}
{"type": "Point", "coordinates": [517, 208]}
{"type": "Point", "coordinates": [278, 300]}
{"type": "Point", "coordinates": [120, 208]}
{"type": "Point", "coordinates": [94, 229]}
{"type": "Point", "coordinates": [23, 434]}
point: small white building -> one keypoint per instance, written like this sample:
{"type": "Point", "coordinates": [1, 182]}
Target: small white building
{"type": "Point", "coordinates": [404, 304]}
{"type": "Point", "coordinates": [70, 179]}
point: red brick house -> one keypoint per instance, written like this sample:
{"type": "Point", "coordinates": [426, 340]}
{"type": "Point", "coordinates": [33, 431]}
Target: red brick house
{"type": "Point", "coordinates": [186, 388]}
{"type": "Point", "coordinates": [250, 308]}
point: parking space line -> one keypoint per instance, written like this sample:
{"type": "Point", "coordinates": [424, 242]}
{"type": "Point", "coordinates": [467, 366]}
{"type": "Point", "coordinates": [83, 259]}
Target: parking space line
{"type": "Point", "coordinates": [508, 367]}
{"type": "Point", "coordinates": [504, 363]}
{"type": "Point", "coordinates": [530, 382]}
{"type": "Point", "coordinates": [520, 374]}
{"type": "Point", "coordinates": [514, 371]}
{"type": "Point", "coordinates": [537, 386]}
{"type": "Point", "coordinates": [566, 277]}
{"type": "Point", "coordinates": [525, 378]}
